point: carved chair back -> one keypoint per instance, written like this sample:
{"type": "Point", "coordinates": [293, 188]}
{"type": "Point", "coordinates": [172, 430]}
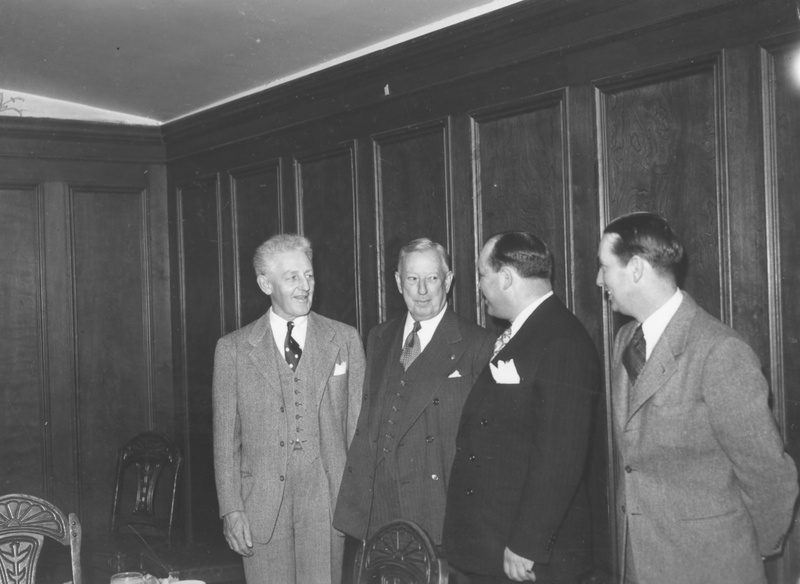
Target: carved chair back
{"type": "Point", "coordinates": [24, 523]}
{"type": "Point", "coordinates": [148, 454]}
{"type": "Point", "coordinates": [400, 552]}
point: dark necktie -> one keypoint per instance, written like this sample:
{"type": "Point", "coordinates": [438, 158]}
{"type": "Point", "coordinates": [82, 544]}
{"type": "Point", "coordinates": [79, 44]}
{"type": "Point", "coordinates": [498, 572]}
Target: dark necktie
{"type": "Point", "coordinates": [291, 350]}
{"type": "Point", "coordinates": [635, 355]}
{"type": "Point", "coordinates": [411, 348]}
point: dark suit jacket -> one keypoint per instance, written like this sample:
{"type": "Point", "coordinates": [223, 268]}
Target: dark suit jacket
{"type": "Point", "coordinates": [705, 487]}
{"type": "Point", "coordinates": [518, 475]}
{"type": "Point", "coordinates": [438, 382]}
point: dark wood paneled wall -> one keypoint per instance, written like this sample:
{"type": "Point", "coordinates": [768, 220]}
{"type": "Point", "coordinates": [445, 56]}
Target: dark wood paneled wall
{"type": "Point", "coordinates": [548, 115]}
{"type": "Point", "coordinates": [85, 333]}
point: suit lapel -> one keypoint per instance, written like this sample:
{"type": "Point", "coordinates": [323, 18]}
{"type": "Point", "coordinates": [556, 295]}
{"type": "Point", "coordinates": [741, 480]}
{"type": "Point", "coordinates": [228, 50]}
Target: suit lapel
{"type": "Point", "coordinates": [320, 353]}
{"type": "Point", "coordinates": [259, 353]}
{"type": "Point", "coordinates": [662, 363]}
{"type": "Point", "coordinates": [431, 368]}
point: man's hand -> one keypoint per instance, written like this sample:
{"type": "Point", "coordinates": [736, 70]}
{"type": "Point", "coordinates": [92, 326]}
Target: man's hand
{"type": "Point", "coordinates": [236, 528]}
{"type": "Point", "coordinates": [518, 568]}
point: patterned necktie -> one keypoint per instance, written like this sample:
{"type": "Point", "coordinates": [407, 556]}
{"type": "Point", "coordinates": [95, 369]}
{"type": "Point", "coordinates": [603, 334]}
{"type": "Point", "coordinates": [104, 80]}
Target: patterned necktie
{"type": "Point", "coordinates": [635, 355]}
{"type": "Point", "coordinates": [411, 348]}
{"type": "Point", "coordinates": [291, 350]}
{"type": "Point", "coordinates": [501, 342]}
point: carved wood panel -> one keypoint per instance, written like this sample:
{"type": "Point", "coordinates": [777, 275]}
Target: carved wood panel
{"type": "Point", "coordinates": [201, 305]}
{"type": "Point", "coordinates": [519, 165]}
{"type": "Point", "coordinates": [413, 199]}
{"type": "Point", "coordinates": [659, 151]}
{"type": "Point", "coordinates": [109, 234]}
{"type": "Point", "coordinates": [255, 192]}
{"type": "Point", "coordinates": [326, 190]}
{"type": "Point", "coordinates": [22, 389]}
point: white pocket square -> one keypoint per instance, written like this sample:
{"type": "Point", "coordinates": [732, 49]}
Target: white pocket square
{"type": "Point", "coordinates": [454, 374]}
{"type": "Point", "coordinates": [340, 368]}
{"type": "Point", "coordinates": [504, 372]}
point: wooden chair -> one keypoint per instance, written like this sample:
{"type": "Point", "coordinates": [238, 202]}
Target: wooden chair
{"type": "Point", "coordinates": [151, 453]}
{"type": "Point", "coordinates": [24, 523]}
{"type": "Point", "coordinates": [400, 552]}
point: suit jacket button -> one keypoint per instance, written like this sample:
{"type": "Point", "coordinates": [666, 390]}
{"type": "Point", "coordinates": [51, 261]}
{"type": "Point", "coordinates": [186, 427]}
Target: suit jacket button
{"type": "Point", "coordinates": [628, 469]}
{"type": "Point", "coordinates": [472, 457]}
{"type": "Point", "coordinates": [282, 409]}
{"type": "Point", "coordinates": [296, 379]}
{"type": "Point", "coordinates": [282, 444]}
{"type": "Point", "coordinates": [356, 432]}
{"type": "Point", "coordinates": [349, 469]}
{"type": "Point", "coordinates": [469, 492]}
{"type": "Point", "coordinates": [484, 422]}
{"type": "Point", "coordinates": [281, 478]}
{"type": "Point", "coordinates": [623, 508]}
{"type": "Point", "coordinates": [435, 477]}
{"type": "Point", "coordinates": [436, 401]}
{"type": "Point", "coordinates": [429, 439]}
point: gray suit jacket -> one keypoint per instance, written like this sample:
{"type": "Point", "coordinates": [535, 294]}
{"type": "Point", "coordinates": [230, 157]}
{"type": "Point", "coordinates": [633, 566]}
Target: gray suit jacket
{"type": "Point", "coordinates": [251, 422]}
{"type": "Point", "coordinates": [704, 485]}
{"type": "Point", "coordinates": [439, 381]}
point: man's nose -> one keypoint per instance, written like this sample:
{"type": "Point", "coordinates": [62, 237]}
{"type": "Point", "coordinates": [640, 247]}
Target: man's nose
{"type": "Point", "coordinates": [599, 279]}
{"type": "Point", "coordinates": [423, 287]}
{"type": "Point", "coordinates": [304, 283]}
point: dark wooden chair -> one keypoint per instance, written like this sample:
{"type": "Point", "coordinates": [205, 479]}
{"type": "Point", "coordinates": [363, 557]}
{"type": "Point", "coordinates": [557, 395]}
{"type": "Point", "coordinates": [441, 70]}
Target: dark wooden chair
{"type": "Point", "coordinates": [400, 552]}
{"type": "Point", "coordinates": [149, 453]}
{"type": "Point", "coordinates": [24, 523]}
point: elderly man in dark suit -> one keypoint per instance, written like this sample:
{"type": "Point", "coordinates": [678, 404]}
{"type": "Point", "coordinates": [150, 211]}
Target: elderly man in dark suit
{"type": "Point", "coordinates": [287, 393]}
{"type": "Point", "coordinates": [420, 368]}
{"type": "Point", "coordinates": [705, 488]}
{"type": "Point", "coordinates": [517, 503]}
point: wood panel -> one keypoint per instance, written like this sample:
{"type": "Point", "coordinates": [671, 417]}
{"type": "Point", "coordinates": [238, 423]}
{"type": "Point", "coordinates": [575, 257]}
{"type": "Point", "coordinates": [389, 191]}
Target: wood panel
{"type": "Point", "coordinates": [782, 112]}
{"type": "Point", "coordinates": [659, 151]}
{"type": "Point", "coordinates": [520, 177]}
{"type": "Point", "coordinates": [326, 189]}
{"type": "Point", "coordinates": [24, 455]}
{"type": "Point", "coordinates": [199, 241]}
{"type": "Point", "coordinates": [256, 197]}
{"type": "Point", "coordinates": [114, 374]}
{"type": "Point", "coordinates": [413, 199]}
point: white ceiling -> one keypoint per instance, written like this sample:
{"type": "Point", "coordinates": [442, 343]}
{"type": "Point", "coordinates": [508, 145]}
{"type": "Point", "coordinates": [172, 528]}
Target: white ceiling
{"type": "Point", "coordinates": [164, 59]}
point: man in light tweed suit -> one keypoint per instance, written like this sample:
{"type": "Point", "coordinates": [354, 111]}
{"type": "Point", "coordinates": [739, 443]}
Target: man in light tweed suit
{"type": "Point", "coordinates": [287, 393]}
{"type": "Point", "coordinates": [705, 489]}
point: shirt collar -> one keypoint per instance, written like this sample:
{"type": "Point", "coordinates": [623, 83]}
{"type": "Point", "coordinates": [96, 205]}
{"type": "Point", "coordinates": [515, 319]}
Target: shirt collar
{"type": "Point", "coordinates": [427, 327]}
{"type": "Point", "coordinates": [654, 325]}
{"type": "Point", "coordinates": [526, 312]}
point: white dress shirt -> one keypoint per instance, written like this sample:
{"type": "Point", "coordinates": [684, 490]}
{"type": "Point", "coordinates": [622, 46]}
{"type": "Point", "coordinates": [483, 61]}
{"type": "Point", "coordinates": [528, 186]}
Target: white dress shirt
{"type": "Point", "coordinates": [279, 327]}
{"type": "Point", "coordinates": [427, 328]}
{"type": "Point", "coordinates": [653, 327]}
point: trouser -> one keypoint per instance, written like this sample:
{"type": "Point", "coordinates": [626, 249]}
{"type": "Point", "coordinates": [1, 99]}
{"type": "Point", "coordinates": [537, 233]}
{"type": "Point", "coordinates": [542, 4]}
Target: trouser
{"type": "Point", "coordinates": [304, 549]}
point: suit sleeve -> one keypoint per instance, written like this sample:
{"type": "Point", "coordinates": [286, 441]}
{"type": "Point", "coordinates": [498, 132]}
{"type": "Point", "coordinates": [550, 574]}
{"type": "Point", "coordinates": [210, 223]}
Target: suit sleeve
{"type": "Point", "coordinates": [736, 395]}
{"type": "Point", "coordinates": [565, 387]}
{"type": "Point", "coordinates": [355, 381]}
{"type": "Point", "coordinates": [227, 430]}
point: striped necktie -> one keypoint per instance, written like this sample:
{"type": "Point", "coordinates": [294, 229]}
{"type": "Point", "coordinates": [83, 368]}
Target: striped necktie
{"type": "Point", "coordinates": [501, 342]}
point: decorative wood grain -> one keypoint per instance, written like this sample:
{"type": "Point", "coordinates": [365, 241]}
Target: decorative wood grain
{"type": "Point", "coordinates": [326, 189]}
{"type": "Point", "coordinates": [22, 384]}
{"type": "Point", "coordinates": [199, 253]}
{"type": "Point", "coordinates": [659, 145]}
{"type": "Point", "coordinates": [257, 214]}
{"type": "Point", "coordinates": [782, 143]}
{"type": "Point", "coordinates": [109, 236]}
{"type": "Point", "coordinates": [413, 193]}
{"type": "Point", "coordinates": [519, 170]}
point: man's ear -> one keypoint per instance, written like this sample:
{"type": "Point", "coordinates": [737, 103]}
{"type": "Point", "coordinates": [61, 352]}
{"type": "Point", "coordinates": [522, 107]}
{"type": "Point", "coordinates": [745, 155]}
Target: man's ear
{"type": "Point", "coordinates": [264, 284]}
{"type": "Point", "coordinates": [636, 265]}
{"type": "Point", "coordinates": [399, 282]}
{"type": "Point", "coordinates": [448, 281]}
{"type": "Point", "coordinates": [506, 277]}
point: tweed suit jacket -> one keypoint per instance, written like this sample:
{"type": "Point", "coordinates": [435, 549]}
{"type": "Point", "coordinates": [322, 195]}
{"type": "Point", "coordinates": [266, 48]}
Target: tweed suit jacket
{"type": "Point", "coordinates": [518, 477]}
{"type": "Point", "coordinates": [439, 381]}
{"type": "Point", "coordinates": [705, 487]}
{"type": "Point", "coordinates": [251, 422]}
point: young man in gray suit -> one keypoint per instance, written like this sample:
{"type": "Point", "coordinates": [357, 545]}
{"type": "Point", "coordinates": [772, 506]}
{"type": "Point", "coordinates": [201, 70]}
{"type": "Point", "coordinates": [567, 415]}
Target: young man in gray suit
{"type": "Point", "coordinates": [705, 489]}
{"type": "Point", "coordinates": [420, 370]}
{"type": "Point", "coordinates": [287, 393]}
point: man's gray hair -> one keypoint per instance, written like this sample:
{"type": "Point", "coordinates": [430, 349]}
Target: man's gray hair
{"type": "Point", "coordinates": [424, 244]}
{"type": "Point", "coordinates": [278, 244]}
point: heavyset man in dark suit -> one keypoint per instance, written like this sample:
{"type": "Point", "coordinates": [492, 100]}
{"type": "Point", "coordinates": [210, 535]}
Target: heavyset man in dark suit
{"type": "Point", "coordinates": [705, 488]}
{"type": "Point", "coordinates": [287, 392]}
{"type": "Point", "coordinates": [517, 503]}
{"type": "Point", "coordinates": [416, 383]}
